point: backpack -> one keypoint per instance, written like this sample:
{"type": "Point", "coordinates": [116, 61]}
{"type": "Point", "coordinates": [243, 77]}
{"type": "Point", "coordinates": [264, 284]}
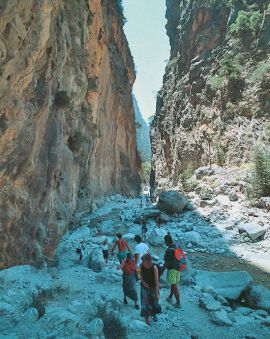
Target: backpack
{"type": "Point", "coordinates": [179, 259]}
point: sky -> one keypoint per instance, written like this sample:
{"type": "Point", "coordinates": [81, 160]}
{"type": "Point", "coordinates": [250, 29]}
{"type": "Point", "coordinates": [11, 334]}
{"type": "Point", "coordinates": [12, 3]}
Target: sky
{"type": "Point", "coordinates": [149, 44]}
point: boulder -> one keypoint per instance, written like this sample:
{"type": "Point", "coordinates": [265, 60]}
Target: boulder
{"type": "Point", "coordinates": [208, 302]}
{"type": "Point", "coordinates": [264, 203]}
{"type": "Point", "coordinates": [262, 313]}
{"type": "Point", "coordinates": [253, 230]}
{"type": "Point", "coordinates": [193, 237]}
{"type": "Point", "coordinates": [202, 172]}
{"type": "Point", "coordinates": [259, 297]}
{"type": "Point", "coordinates": [95, 260]}
{"type": "Point", "coordinates": [156, 237]}
{"type": "Point", "coordinates": [206, 194]}
{"type": "Point", "coordinates": [221, 318]}
{"type": "Point", "coordinates": [151, 213]}
{"type": "Point", "coordinates": [171, 202]}
{"type": "Point", "coordinates": [6, 309]}
{"type": "Point", "coordinates": [82, 233]}
{"type": "Point", "coordinates": [244, 310]}
{"type": "Point", "coordinates": [129, 236]}
{"type": "Point", "coordinates": [223, 201]}
{"type": "Point", "coordinates": [95, 328]}
{"type": "Point", "coordinates": [233, 196]}
{"type": "Point", "coordinates": [138, 326]}
{"type": "Point", "coordinates": [229, 285]}
{"type": "Point", "coordinates": [31, 315]}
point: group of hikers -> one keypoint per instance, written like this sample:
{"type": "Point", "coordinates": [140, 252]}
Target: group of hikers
{"type": "Point", "coordinates": [141, 267]}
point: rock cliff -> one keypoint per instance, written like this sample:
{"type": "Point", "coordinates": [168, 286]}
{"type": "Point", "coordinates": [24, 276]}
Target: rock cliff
{"type": "Point", "coordinates": [142, 133]}
{"type": "Point", "coordinates": [214, 104]}
{"type": "Point", "coordinates": [67, 129]}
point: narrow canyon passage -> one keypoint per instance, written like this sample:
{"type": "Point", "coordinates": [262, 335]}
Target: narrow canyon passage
{"type": "Point", "coordinates": [79, 164]}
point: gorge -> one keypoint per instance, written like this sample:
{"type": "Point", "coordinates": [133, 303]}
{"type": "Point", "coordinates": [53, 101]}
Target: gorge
{"type": "Point", "coordinates": [73, 149]}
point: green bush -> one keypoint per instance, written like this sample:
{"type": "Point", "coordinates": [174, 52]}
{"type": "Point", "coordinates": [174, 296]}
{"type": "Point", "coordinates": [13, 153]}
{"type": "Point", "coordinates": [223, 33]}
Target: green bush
{"type": "Point", "coordinates": [231, 66]}
{"type": "Point", "coordinates": [246, 22]}
{"type": "Point", "coordinates": [220, 154]}
{"type": "Point", "coordinates": [146, 171]}
{"type": "Point", "coordinates": [216, 82]}
{"type": "Point", "coordinates": [259, 71]}
{"type": "Point", "coordinates": [261, 181]}
{"type": "Point", "coordinates": [185, 177]}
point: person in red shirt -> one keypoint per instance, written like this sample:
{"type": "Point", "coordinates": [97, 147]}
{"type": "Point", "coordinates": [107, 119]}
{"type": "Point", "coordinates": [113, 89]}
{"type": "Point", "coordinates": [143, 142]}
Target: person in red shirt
{"type": "Point", "coordinates": [128, 267]}
{"type": "Point", "coordinates": [123, 248]}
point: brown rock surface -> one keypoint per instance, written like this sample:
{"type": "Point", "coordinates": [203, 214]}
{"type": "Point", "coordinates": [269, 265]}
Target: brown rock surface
{"type": "Point", "coordinates": [66, 118]}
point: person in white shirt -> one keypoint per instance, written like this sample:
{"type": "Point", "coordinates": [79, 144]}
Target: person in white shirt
{"type": "Point", "coordinates": [140, 249]}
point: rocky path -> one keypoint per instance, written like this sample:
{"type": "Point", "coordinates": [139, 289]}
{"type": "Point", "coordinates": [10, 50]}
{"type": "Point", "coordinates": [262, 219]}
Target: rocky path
{"type": "Point", "coordinates": [72, 301]}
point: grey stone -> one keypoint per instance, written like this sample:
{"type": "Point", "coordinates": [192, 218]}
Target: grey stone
{"type": "Point", "coordinates": [253, 230]}
{"type": "Point", "coordinates": [244, 310]}
{"type": "Point", "coordinates": [208, 302]}
{"type": "Point", "coordinates": [95, 328]}
{"type": "Point", "coordinates": [138, 326]}
{"type": "Point", "coordinates": [31, 314]}
{"type": "Point", "coordinates": [259, 297]}
{"type": "Point", "coordinates": [193, 237]}
{"type": "Point", "coordinates": [233, 196]}
{"type": "Point", "coordinates": [230, 285]}
{"type": "Point", "coordinates": [6, 309]}
{"type": "Point", "coordinates": [95, 260]}
{"type": "Point", "coordinates": [171, 202]}
{"type": "Point", "coordinates": [262, 313]}
{"type": "Point", "coordinates": [202, 172]}
{"type": "Point", "coordinates": [221, 318]}
{"type": "Point", "coordinates": [151, 213]}
{"type": "Point", "coordinates": [156, 237]}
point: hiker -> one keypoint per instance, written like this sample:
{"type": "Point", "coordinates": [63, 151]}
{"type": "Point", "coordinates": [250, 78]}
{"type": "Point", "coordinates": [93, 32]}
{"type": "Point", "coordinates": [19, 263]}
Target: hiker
{"type": "Point", "coordinates": [144, 229]}
{"type": "Point", "coordinates": [80, 249]}
{"type": "Point", "coordinates": [173, 274]}
{"type": "Point", "coordinates": [122, 247]}
{"type": "Point", "coordinates": [105, 250]}
{"type": "Point", "coordinates": [159, 222]}
{"type": "Point", "coordinates": [140, 250]}
{"type": "Point", "coordinates": [149, 289]}
{"type": "Point", "coordinates": [129, 280]}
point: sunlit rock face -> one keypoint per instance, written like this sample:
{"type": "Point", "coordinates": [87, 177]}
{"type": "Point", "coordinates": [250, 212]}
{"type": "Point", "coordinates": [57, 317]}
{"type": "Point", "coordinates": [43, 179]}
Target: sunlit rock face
{"type": "Point", "coordinates": [67, 131]}
{"type": "Point", "coordinates": [216, 87]}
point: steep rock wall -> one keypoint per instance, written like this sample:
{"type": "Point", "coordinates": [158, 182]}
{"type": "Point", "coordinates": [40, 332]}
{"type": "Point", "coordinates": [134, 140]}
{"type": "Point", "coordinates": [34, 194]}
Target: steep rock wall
{"type": "Point", "coordinates": [216, 89]}
{"type": "Point", "coordinates": [67, 130]}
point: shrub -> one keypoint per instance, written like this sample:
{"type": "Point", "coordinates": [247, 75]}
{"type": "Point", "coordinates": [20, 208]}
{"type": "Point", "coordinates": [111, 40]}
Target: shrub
{"type": "Point", "coordinates": [231, 66]}
{"type": "Point", "coordinates": [259, 71]}
{"type": "Point", "coordinates": [216, 82]}
{"type": "Point", "coordinates": [220, 154]}
{"type": "Point", "coordinates": [61, 99]}
{"type": "Point", "coordinates": [185, 177]}
{"type": "Point", "coordinates": [146, 171]}
{"type": "Point", "coordinates": [76, 140]}
{"type": "Point", "coordinates": [260, 186]}
{"type": "Point", "coordinates": [246, 22]}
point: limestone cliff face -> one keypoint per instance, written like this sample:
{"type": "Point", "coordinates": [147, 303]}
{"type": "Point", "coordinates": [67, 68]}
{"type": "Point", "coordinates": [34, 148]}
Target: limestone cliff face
{"type": "Point", "coordinates": [214, 102]}
{"type": "Point", "coordinates": [67, 130]}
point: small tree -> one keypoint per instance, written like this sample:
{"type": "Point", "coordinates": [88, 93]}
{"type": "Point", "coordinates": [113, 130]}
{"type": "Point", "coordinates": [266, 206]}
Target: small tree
{"type": "Point", "coordinates": [261, 181]}
{"type": "Point", "coordinates": [146, 171]}
{"type": "Point", "coordinates": [207, 134]}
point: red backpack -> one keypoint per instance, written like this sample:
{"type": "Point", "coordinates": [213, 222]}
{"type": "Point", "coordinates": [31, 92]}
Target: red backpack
{"type": "Point", "coordinates": [179, 259]}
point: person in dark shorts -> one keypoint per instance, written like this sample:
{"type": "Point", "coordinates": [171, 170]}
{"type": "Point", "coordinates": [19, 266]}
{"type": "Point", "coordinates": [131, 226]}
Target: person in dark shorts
{"type": "Point", "coordinates": [105, 250]}
{"type": "Point", "coordinates": [144, 229]}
